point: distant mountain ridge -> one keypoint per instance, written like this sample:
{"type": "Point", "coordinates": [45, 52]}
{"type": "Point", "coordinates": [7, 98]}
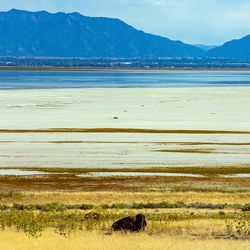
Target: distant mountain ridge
{"type": "Point", "coordinates": [205, 47]}
{"type": "Point", "coordinates": [43, 34]}
{"type": "Point", "coordinates": [24, 33]}
{"type": "Point", "coordinates": [235, 49]}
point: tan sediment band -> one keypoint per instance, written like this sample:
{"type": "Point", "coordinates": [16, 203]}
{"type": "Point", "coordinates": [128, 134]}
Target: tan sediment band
{"type": "Point", "coordinates": [121, 130]}
{"type": "Point", "coordinates": [203, 170]}
{"type": "Point", "coordinates": [140, 142]}
{"type": "Point", "coordinates": [199, 151]}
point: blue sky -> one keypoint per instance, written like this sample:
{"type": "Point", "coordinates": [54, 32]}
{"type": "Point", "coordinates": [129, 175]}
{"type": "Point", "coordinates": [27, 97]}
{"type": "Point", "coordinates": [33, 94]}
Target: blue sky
{"type": "Point", "coordinates": [193, 21]}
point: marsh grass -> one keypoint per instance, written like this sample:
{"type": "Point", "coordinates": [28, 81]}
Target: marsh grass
{"type": "Point", "coordinates": [73, 182]}
{"type": "Point", "coordinates": [129, 198]}
{"type": "Point", "coordinates": [66, 222]}
{"type": "Point", "coordinates": [161, 205]}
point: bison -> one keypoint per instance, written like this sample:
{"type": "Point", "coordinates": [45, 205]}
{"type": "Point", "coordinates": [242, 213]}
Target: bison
{"type": "Point", "coordinates": [131, 223]}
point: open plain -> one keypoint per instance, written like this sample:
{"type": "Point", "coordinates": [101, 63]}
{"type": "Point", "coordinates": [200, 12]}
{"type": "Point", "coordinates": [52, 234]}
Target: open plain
{"type": "Point", "coordinates": [115, 128]}
{"type": "Point", "coordinates": [181, 156]}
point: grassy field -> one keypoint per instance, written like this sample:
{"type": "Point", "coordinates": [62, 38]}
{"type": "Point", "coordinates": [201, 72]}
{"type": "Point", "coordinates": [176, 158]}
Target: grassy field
{"type": "Point", "coordinates": [49, 211]}
{"type": "Point", "coordinates": [93, 240]}
{"type": "Point", "coordinates": [8, 198]}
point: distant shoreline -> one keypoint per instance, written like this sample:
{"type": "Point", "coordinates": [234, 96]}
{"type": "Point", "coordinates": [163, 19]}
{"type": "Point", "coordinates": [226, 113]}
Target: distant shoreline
{"type": "Point", "coordinates": [108, 69]}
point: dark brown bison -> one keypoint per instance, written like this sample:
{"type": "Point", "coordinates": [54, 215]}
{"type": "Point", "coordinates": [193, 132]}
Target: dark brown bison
{"type": "Point", "coordinates": [131, 223]}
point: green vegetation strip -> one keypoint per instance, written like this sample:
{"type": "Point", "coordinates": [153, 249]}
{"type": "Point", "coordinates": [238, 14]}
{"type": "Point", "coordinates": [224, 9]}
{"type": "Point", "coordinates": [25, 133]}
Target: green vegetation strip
{"type": "Point", "coordinates": [33, 223]}
{"type": "Point", "coordinates": [162, 205]}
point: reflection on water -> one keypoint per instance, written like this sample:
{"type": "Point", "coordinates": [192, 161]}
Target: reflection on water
{"type": "Point", "coordinates": [62, 79]}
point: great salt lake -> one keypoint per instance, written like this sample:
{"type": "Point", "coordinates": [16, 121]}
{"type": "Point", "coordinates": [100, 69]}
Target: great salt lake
{"type": "Point", "coordinates": [140, 79]}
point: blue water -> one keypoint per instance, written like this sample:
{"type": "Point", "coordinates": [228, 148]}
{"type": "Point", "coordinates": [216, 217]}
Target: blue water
{"type": "Point", "coordinates": [59, 79]}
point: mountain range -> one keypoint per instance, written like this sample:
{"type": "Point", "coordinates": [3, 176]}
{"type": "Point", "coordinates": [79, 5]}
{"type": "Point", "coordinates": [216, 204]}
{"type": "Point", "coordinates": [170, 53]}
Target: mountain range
{"type": "Point", "coordinates": [235, 49]}
{"type": "Point", "coordinates": [43, 34]}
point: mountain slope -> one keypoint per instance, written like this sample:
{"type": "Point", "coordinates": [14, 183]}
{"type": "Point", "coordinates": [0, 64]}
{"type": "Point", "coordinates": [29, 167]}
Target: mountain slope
{"type": "Point", "coordinates": [24, 33]}
{"type": "Point", "coordinates": [235, 49]}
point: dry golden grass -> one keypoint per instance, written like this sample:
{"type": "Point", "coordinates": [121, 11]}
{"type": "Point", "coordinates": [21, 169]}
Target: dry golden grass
{"type": "Point", "coordinates": [12, 240]}
{"type": "Point", "coordinates": [125, 197]}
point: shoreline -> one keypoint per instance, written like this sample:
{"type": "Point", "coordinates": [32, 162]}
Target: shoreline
{"type": "Point", "coordinates": [108, 69]}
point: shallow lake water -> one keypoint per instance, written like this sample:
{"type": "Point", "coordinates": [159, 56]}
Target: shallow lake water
{"type": "Point", "coordinates": [63, 79]}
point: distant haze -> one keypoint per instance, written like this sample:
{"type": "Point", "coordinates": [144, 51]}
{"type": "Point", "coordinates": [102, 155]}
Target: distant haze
{"type": "Point", "coordinates": [210, 22]}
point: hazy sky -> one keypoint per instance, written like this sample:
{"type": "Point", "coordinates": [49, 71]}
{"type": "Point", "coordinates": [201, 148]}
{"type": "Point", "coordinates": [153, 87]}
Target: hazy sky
{"type": "Point", "coordinates": [193, 21]}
